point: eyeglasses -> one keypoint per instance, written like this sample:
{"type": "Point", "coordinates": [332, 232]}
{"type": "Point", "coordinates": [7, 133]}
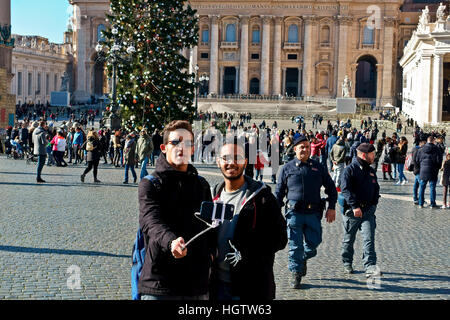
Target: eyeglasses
{"type": "Point", "coordinates": [175, 143]}
{"type": "Point", "coordinates": [232, 158]}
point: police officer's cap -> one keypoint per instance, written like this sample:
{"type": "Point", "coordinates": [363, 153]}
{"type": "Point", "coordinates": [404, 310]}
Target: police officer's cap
{"type": "Point", "coordinates": [301, 138]}
{"type": "Point", "coordinates": [366, 147]}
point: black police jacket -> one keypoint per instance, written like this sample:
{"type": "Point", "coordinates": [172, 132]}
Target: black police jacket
{"type": "Point", "coordinates": [359, 184]}
{"type": "Point", "coordinates": [300, 181]}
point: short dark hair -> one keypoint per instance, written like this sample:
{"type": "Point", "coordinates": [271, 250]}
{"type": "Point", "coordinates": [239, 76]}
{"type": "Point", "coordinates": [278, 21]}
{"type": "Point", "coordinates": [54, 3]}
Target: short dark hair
{"type": "Point", "coordinates": [174, 125]}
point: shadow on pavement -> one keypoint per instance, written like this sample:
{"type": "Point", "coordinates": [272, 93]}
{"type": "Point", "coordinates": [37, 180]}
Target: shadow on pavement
{"type": "Point", "coordinates": [60, 251]}
{"type": "Point", "coordinates": [385, 284]}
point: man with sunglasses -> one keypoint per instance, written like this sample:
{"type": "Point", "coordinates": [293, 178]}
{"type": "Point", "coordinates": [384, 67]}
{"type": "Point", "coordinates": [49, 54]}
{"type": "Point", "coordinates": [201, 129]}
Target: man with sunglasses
{"type": "Point", "coordinates": [300, 181]}
{"type": "Point", "coordinates": [168, 199]}
{"type": "Point", "coordinates": [246, 244]}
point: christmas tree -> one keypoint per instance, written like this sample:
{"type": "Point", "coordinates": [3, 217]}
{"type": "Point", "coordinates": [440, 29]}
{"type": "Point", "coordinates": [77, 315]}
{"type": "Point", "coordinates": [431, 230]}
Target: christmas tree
{"type": "Point", "coordinates": [145, 42]}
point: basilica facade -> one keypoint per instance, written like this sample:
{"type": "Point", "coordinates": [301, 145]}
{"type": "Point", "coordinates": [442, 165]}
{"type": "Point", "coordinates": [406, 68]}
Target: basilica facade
{"type": "Point", "coordinates": [281, 47]}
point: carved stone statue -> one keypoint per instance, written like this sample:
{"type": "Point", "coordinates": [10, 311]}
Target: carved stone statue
{"type": "Point", "coordinates": [64, 82]}
{"type": "Point", "coordinates": [424, 20]}
{"type": "Point", "coordinates": [440, 13]}
{"type": "Point", "coordinates": [346, 87]}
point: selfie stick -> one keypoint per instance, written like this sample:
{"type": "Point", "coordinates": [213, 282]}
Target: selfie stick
{"type": "Point", "coordinates": [214, 224]}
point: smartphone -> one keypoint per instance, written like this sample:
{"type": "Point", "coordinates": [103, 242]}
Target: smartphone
{"type": "Point", "coordinates": [207, 211]}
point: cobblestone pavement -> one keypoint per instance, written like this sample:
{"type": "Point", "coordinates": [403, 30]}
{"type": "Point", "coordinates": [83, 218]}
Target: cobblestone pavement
{"type": "Point", "coordinates": [49, 232]}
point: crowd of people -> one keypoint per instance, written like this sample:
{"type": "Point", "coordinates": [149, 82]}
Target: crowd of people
{"type": "Point", "coordinates": [49, 144]}
{"type": "Point", "coordinates": [225, 264]}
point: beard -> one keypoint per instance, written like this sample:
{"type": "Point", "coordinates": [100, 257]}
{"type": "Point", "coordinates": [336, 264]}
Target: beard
{"type": "Point", "coordinates": [232, 177]}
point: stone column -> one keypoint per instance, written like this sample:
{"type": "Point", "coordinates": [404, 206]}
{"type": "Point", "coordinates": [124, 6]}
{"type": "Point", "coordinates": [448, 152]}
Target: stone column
{"type": "Point", "coordinates": [307, 55]}
{"type": "Point", "coordinates": [387, 60]}
{"type": "Point", "coordinates": [236, 83]}
{"type": "Point", "coordinates": [214, 59]}
{"type": "Point", "coordinates": [342, 54]}
{"type": "Point", "coordinates": [436, 104]}
{"type": "Point", "coordinates": [277, 57]}
{"type": "Point", "coordinates": [299, 86]}
{"type": "Point", "coordinates": [422, 104]}
{"type": "Point", "coordinates": [81, 40]}
{"type": "Point", "coordinates": [221, 80]}
{"type": "Point", "coordinates": [379, 83]}
{"type": "Point", "coordinates": [243, 78]}
{"type": "Point", "coordinates": [283, 89]}
{"type": "Point", "coordinates": [265, 55]}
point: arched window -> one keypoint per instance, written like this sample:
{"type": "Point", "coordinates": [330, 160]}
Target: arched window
{"type": "Point", "coordinates": [205, 35]}
{"type": "Point", "coordinates": [293, 33]}
{"type": "Point", "coordinates": [230, 33]}
{"type": "Point", "coordinates": [255, 35]}
{"type": "Point", "coordinates": [100, 28]}
{"type": "Point", "coordinates": [369, 35]}
{"type": "Point", "coordinates": [325, 34]}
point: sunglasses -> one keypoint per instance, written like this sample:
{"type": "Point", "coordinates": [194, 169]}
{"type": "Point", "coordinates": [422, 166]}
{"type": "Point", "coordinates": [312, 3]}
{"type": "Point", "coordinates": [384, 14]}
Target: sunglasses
{"type": "Point", "coordinates": [232, 158]}
{"type": "Point", "coordinates": [175, 143]}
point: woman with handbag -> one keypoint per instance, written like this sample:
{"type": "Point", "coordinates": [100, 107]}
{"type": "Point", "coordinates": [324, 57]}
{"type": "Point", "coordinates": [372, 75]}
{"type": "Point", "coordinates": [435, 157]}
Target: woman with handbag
{"type": "Point", "coordinates": [92, 147]}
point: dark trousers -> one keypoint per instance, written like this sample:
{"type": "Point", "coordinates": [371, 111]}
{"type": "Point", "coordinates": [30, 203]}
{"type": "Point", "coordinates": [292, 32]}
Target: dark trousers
{"type": "Point", "coordinates": [40, 165]}
{"type": "Point", "coordinates": [92, 165]}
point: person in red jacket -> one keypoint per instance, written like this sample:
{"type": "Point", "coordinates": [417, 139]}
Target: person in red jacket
{"type": "Point", "coordinates": [316, 145]}
{"type": "Point", "coordinates": [259, 165]}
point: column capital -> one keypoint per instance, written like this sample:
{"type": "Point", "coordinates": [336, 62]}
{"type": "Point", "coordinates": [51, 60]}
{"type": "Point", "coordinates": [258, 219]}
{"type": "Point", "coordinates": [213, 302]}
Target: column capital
{"type": "Point", "coordinates": [244, 19]}
{"type": "Point", "coordinates": [390, 21]}
{"type": "Point", "coordinates": [266, 19]}
{"type": "Point", "coordinates": [309, 19]}
{"type": "Point", "coordinates": [438, 54]}
{"type": "Point", "coordinates": [214, 18]}
{"type": "Point", "coordinates": [278, 19]}
{"type": "Point", "coordinates": [345, 20]}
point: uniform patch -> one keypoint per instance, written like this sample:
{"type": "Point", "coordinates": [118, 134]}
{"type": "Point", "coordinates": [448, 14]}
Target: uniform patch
{"type": "Point", "coordinates": [373, 181]}
{"type": "Point", "coordinates": [372, 174]}
{"type": "Point", "coordinates": [315, 169]}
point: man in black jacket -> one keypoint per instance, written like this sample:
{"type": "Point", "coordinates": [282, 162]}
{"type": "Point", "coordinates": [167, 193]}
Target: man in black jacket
{"type": "Point", "coordinates": [247, 244]}
{"type": "Point", "coordinates": [172, 271]}
{"type": "Point", "coordinates": [421, 140]}
{"type": "Point", "coordinates": [429, 161]}
{"type": "Point", "coordinates": [359, 199]}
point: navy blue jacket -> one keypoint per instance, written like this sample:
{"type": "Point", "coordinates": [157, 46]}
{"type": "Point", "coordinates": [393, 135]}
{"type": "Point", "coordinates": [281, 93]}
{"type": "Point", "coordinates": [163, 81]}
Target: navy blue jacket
{"type": "Point", "coordinates": [330, 143]}
{"type": "Point", "coordinates": [302, 182]}
{"type": "Point", "coordinates": [359, 184]}
{"type": "Point", "coordinates": [428, 160]}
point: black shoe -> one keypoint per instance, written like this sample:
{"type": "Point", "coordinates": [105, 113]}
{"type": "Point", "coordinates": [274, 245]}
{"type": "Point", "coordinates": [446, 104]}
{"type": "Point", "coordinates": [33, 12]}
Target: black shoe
{"type": "Point", "coordinates": [125, 182]}
{"type": "Point", "coordinates": [348, 269]}
{"type": "Point", "coordinates": [40, 180]}
{"type": "Point", "coordinates": [82, 177]}
{"type": "Point", "coordinates": [416, 202]}
{"type": "Point", "coordinates": [433, 206]}
{"type": "Point", "coordinates": [304, 268]}
{"type": "Point", "coordinates": [296, 280]}
{"type": "Point", "coordinates": [135, 179]}
{"type": "Point", "coordinates": [97, 181]}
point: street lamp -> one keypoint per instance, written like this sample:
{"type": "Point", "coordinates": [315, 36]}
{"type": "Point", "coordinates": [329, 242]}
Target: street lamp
{"type": "Point", "coordinates": [196, 87]}
{"type": "Point", "coordinates": [114, 55]}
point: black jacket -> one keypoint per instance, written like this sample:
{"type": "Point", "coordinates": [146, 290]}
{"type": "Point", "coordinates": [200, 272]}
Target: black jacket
{"type": "Point", "coordinates": [260, 232]}
{"type": "Point", "coordinates": [429, 161]}
{"type": "Point", "coordinates": [359, 184]}
{"type": "Point", "coordinates": [166, 212]}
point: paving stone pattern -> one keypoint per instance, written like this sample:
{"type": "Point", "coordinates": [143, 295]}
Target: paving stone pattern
{"type": "Point", "coordinates": [47, 229]}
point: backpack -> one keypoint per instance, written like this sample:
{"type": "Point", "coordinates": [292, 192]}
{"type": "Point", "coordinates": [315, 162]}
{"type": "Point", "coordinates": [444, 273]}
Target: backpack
{"type": "Point", "coordinates": [409, 162]}
{"type": "Point", "coordinates": [138, 251]}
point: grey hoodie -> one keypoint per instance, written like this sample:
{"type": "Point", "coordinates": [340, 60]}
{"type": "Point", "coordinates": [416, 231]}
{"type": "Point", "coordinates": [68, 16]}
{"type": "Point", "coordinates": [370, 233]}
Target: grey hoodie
{"type": "Point", "coordinates": [40, 141]}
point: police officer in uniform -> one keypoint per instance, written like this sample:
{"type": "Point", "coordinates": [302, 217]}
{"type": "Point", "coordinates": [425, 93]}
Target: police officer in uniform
{"type": "Point", "coordinates": [300, 181]}
{"type": "Point", "coordinates": [358, 201]}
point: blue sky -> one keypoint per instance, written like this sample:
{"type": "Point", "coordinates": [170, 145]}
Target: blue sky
{"type": "Point", "coordinates": [46, 18]}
